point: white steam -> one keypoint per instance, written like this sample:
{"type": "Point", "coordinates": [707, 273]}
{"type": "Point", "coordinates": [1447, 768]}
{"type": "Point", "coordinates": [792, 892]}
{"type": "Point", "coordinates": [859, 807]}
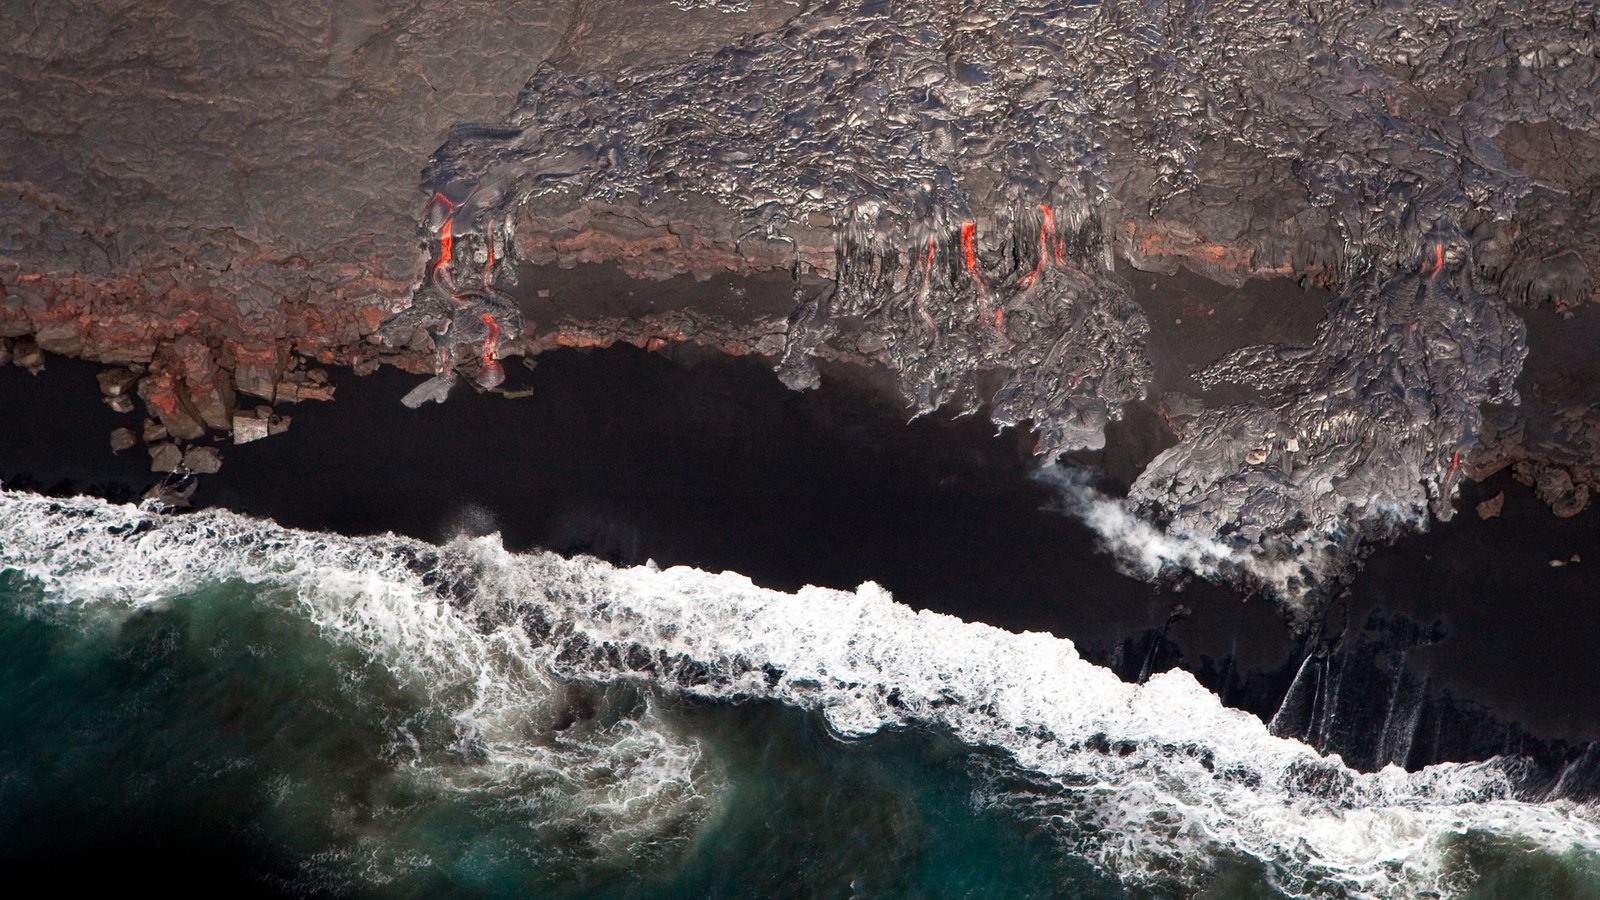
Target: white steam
{"type": "Point", "coordinates": [1146, 550]}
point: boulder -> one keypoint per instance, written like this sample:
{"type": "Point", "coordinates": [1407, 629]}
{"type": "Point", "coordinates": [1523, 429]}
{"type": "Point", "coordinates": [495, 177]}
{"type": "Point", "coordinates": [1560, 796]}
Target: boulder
{"type": "Point", "coordinates": [165, 457]}
{"type": "Point", "coordinates": [27, 354]}
{"type": "Point", "coordinates": [203, 460]}
{"type": "Point", "coordinates": [1491, 507]}
{"type": "Point", "coordinates": [168, 401]}
{"type": "Point", "coordinates": [172, 496]}
{"type": "Point", "coordinates": [248, 427]}
{"type": "Point", "coordinates": [253, 425]}
{"type": "Point", "coordinates": [117, 382]}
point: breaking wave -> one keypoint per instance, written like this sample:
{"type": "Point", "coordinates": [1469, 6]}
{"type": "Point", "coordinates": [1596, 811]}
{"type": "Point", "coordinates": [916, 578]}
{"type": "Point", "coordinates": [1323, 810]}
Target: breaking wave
{"type": "Point", "coordinates": [1152, 782]}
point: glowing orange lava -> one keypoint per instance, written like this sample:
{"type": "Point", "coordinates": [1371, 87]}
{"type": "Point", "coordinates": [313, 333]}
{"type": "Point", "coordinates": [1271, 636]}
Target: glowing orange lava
{"type": "Point", "coordinates": [969, 249]}
{"type": "Point", "coordinates": [1434, 267]}
{"type": "Point", "coordinates": [1047, 243]}
{"type": "Point", "coordinates": [491, 344]}
{"type": "Point", "coordinates": [969, 231]}
{"type": "Point", "coordinates": [445, 244]}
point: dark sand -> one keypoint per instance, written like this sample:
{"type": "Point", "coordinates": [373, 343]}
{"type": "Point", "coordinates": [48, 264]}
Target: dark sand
{"type": "Point", "coordinates": [708, 461]}
{"type": "Point", "coordinates": [631, 456]}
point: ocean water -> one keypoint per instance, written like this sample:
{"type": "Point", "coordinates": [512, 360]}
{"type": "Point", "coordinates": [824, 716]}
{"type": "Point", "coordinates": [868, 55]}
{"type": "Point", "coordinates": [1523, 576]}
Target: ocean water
{"type": "Point", "coordinates": [208, 697]}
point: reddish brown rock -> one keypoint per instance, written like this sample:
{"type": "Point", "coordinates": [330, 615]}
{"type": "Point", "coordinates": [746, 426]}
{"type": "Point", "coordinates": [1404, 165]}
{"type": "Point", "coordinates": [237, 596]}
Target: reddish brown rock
{"type": "Point", "coordinates": [208, 387]}
{"type": "Point", "coordinates": [153, 432]}
{"type": "Point", "coordinates": [1491, 507]}
{"type": "Point", "coordinates": [27, 354]}
{"type": "Point", "coordinates": [258, 369]}
{"type": "Point", "coordinates": [167, 400]}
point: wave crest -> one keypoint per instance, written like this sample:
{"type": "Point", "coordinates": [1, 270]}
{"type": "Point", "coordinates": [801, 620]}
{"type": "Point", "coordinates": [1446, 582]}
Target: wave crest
{"type": "Point", "coordinates": [1144, 779]}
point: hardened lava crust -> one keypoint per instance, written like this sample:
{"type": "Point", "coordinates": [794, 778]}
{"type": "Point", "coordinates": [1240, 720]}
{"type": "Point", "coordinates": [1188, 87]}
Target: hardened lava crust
{"type": "Point", "coordinates": [950, 191]}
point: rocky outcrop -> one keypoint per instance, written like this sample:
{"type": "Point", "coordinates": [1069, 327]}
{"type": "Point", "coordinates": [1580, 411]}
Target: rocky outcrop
{"type": "Point", "coordinates": [228, 194]}
{"type": "Point", "coordinates": [221, 201]}
{"type": "Point", "coordinates": [978, 172]}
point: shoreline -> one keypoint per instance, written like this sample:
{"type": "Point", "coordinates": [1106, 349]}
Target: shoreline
{"type": "Point", "coordinates": [711, 462]}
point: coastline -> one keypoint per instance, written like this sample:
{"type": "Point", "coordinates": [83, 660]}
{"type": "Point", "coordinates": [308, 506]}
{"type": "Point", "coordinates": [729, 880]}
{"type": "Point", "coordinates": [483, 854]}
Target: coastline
{"type": "Point", "coordinates": [710, 462]}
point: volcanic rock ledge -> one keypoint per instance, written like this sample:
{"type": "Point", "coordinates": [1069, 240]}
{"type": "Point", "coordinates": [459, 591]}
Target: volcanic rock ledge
{"type": "Point", "coordinates": [220, 201]}
{"type": "Point", "coordinates": [978, 166]}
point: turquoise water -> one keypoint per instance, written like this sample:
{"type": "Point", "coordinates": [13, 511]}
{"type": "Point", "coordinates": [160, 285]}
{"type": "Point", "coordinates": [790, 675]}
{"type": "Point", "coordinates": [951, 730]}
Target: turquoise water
{"type": "Point", "coordinates": [222, 709]}
{"type": "Point", "coordinates": [307, 723]}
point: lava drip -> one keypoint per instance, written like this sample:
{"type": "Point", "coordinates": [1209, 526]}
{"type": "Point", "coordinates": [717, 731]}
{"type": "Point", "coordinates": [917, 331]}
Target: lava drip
{"type": "Point", "coordinates": [480, 317]}
{"type": "Point", "coordinates": [969, 252]}
{"type": "Point", "coordinates": [441, 271]}
{"type": "Point", "coordinates": [1066, 338]}
{"type": "Point", "coordinates": [490, 373]}
{"type": "Point", "coordinates": [488, 265]}
{"type": "Point", "coordinates": [1051, 247]}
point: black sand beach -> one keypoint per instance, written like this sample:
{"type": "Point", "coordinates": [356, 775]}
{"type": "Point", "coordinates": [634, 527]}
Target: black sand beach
{"type": "Point", "coordinates": [710, 462]}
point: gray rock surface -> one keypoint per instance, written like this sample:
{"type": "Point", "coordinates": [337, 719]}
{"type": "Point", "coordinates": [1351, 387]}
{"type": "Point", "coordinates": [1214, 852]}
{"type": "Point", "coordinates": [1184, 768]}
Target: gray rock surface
{"type": "Point", "coordinates": [244, 173]}
{"type": "Point", "coordinates": [202, 460]}
{"type": "Point", "coordinates": [165, 457]}
{"type": "Point", "coordinates": [123, 439]}
{"type": "Point", "coordinates": [978, 163]}
{"type": "Point", "coordinates": [229, 195]}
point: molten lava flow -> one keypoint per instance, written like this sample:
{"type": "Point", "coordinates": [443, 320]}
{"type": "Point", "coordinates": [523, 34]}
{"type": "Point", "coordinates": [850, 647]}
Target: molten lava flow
{"type": "Point", "coordinates": [1048, 242]}
{"type": "Point", "coordinates": [1432, 268]}
{"type": "Point", "coordinates": [446, 242]}
{"type": "Point", "coordinates": [488, 267]}
{"type": "Point", "coordinates": [440, 269]}
{"type": "Point", "coordinates": [1455, 463]}
{"type": "Point", "coordinates": [969, 249]}
{"type": "Point", "coordinates": [1047, 232]}
{"type": "Point", "coordinates": [491, 344]}
{"type": "Point", "coordinates": [492, 374]}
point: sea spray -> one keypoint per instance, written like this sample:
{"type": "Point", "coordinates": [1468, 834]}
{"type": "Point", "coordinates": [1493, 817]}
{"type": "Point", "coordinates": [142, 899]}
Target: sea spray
{"type": "Point", "coordinates": [1154, 782]}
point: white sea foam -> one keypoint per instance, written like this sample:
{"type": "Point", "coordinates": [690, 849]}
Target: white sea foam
{"type": "Point", "coordinates": [1147, 778]}
{"type": "Point", "coordinates": [625, 782]}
